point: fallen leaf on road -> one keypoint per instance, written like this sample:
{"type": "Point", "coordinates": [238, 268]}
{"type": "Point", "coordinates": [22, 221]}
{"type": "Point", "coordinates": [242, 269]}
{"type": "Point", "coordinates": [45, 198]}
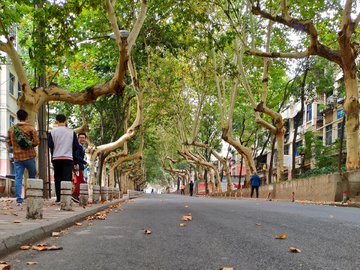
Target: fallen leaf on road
{"type": "Point", "coordinates": [280, 237]}
{"type": "Point", "coordinates": [15, 214]}
{"type": "Point", "coordinates": [227, 268]}
{"type": "Point", "coordinates": [7, 213]}
{"type": "Point", "coordinates": [331, 216]}
{"type": "Point", "coordinates": [42, 244]}
{"type": "Point", "coordinates": [11, 207]}
{"type": "Point", "coordinates": [25, 247]}
{"type": "Point", "coordinates": [182, 224]}
{"type": "Point", "coordinates": [17, 221]}
{"type": "Point", "coordinates": [295, 250]}
{"type": "Point", "coordinates": [54, 248]}
{"type": "Point", "coordinates": [186, 218]}
{"type": "Point", "coordinates": [78, 224]}
{"type": "Point", "coordinates": [116, 211]}
{"type": "Point", "coordinates": [90, 224]}
{"type": "Point", "coordinates": [115, 206]}
{"type": "Point", "coordinates": [147, 232]}
{"type": "Point", "coordinates": [186, 206]}
{"type": "Point", "coordinates": [53, 203]}
{"type": "Point", "coordinates": [84, 206]}
{"type": "Point", "coordinates": [234, 211]}
{"type": "Point", "coordinates": [47, 205]}
{"type": "Point", "coordinates": [39, 248]}
{"type": "Point", "coordinates": [258, 224]}
{"type": "Point", "coordinates": [55, 234]}
{"type": "Point", "coordinates": [4, 266]}
{"type": "Point", "coordinates": [31, 263]}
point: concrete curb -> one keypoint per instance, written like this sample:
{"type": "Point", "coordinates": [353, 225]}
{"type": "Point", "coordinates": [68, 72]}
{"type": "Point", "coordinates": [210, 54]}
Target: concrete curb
{"type": "Point", "coordinates": [339, 204]}
{"type": "Point", "coordinates": [13, 242]}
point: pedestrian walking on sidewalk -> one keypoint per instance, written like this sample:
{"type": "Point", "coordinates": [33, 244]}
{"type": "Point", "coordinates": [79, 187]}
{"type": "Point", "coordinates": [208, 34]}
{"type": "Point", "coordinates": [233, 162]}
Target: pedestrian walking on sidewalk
{"type": "Point", "coordinates": [79, 167]}
{"type": "Point", "coordinates": [62, 142]}
{"type": "Point", "coordinates": [255, 184]}
{"type": "Point", "coordinates": [183, 189]}
{"type": "Point", "coordinates": [23, 151]}
{"type": "Point", "coordinates": [191, 188]}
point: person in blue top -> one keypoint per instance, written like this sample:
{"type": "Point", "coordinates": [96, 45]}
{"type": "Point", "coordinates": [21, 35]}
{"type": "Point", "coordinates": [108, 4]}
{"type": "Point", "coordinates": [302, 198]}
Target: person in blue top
{"type": "Point", "coordinates": [255, 184]}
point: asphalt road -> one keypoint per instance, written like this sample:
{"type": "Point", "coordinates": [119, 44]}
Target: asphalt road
{"type": "Point", "coordinates": [223, 233]}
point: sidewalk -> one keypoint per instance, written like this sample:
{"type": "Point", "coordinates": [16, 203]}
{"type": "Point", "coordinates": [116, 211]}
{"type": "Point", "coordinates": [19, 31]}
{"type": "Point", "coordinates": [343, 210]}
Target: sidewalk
{"type": "Point", "coordinates": [28, 231]}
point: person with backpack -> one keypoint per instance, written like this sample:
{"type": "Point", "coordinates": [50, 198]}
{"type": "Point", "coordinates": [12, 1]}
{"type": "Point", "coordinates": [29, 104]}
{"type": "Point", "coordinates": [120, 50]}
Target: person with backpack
{"type": "Point", "coordinates": [23, 138]}
{"type": "Point", "coordinates": [63, 143]}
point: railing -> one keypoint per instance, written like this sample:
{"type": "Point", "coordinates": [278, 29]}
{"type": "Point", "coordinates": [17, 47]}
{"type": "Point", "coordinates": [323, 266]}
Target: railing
{"type": "Point", "coordinates": [134, 193]}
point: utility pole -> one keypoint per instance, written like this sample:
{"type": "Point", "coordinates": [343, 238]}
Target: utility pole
{"type": "Point", "coordinates": [42, 149]}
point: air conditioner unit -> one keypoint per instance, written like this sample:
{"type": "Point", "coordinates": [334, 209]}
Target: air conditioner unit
{"type": "Point", "coordinates": [331, 100]}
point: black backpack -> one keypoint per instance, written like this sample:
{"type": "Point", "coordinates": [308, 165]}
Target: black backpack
{"type": "Point", "coordinates": [21, 139]}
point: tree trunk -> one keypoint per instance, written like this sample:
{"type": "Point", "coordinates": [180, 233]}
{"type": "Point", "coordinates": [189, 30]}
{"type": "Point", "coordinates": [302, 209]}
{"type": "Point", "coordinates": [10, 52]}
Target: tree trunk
{"type": "Point", "coordinates": [351, 109]}
{"type": "Point", "coordinates": [341, 143]}
{"type": "Point", "coordinates": [272, 160]}
{"type": "Point", "coordinates": [280, 155]}
{"type": "Point", "coordinates": [241, 166]}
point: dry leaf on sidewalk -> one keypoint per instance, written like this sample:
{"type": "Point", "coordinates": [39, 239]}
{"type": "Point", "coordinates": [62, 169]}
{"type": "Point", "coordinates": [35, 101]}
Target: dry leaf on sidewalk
{"type": "Point", "coordinates": [295, 250]}
{"type": "Point", "coordinates": [5, 266]}
{"type": "Point", "coordinates": [182, 224]}
{"type": "Point", "coordinates": [17, 221]}
{"type": "Point", "coordinates": [90, 224]}
{"type": "Point", "coordinates": [234, 211]}
{"type": "Point", "coordinates": [147, 232]}
{"type": "Point", "coordinates": [25, 247]}
{"type": "Point", "coordinates": [227, 268]}
{"type": "Point", "coordinates": [54, 248]}
{"type": "Point", "coordinates": [55, 234]}
{"type": "Point", "coordinates": [42, 244]}
{"type": "Point", "coordinates": [78, 224]}
{"type": "Point", "coordinates": [39, 248]}
{"type": "Point", "coordinates": [186, 218]}
{"type": "Point", "coordinates": [186, 206]}
{"type": "Point", "coordinates": [280, 237]}
{"type": "Point", "coordinates": [258, 224]}
{"type": "Point", "coordinates": [331, 216]}
{"type": "Point", "coordinates": [31, 263]}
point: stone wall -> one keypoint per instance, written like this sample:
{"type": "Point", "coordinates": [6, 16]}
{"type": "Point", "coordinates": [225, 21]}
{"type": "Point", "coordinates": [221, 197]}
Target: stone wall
{"type": "Point", "coordinates": [321, 188]}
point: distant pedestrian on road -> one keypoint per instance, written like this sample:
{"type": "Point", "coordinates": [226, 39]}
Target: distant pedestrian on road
{"type": "Point", "coordinates": [191, 188]}
{"type": "Point", "coordinates": [62, 142]}
{"type": "Point", "coordinates": [183, 189]}
{"type": "Point", "coordinates": [255, 184]}
{"type": "Point", "coordinates": [79, 167]}
{"type": "Point", "coordinates": [24, 155]}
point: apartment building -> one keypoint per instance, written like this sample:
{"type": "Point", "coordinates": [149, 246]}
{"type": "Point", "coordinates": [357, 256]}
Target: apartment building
{"type": "Point", "coordinates": [325, 121]}
{"type": "Point", "coordinates": [9, 92]}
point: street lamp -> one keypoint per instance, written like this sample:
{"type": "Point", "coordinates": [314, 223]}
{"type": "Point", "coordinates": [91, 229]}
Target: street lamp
{"type": "Point", "coordinates": [124, 33]}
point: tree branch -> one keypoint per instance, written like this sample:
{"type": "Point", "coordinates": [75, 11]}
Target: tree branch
{"type": "Point", "coordinates": [137, 26]}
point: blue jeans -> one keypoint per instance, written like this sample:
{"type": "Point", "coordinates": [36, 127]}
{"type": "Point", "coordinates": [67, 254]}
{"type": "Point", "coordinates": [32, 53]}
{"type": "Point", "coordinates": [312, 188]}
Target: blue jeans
{"type": "Point", "coordinates": [20, 166]}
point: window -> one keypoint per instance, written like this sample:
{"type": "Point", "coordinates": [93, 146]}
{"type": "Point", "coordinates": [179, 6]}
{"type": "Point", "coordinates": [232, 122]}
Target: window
{"type": "Point", "coordinates": [286, 149]}
{"type": "Point", "coordinates": [19, 89]}
{"type": "Point", "coordinates": [300, 122]}
{"type": "Point", "coordinates": [297, 151]}
{"type": "Point", "coordinates": [309, 112]}
{"type": "Point", "coordinates": [339, 131]}
{"type": "Point", "coordinates": [11, 121]}
{"type": "Point", "coordinates": [11, 83]}
{"type": "Point", "coordinates": [329, 134]}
